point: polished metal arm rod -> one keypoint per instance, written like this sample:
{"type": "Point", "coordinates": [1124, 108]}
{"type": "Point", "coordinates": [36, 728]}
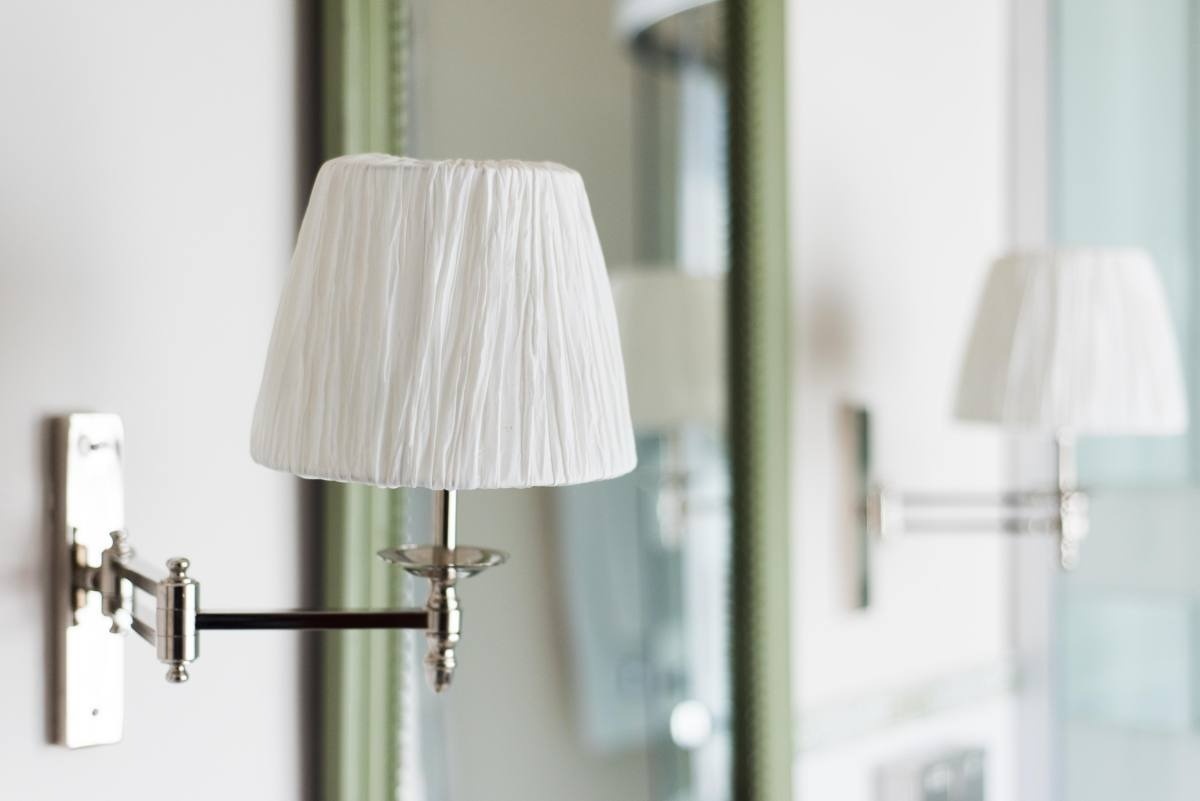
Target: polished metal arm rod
{"type": "Point", "coordinates": [137, 574]}
{"type": "Point", "coordinates": [317, 619]}
{"type": "Point", "coordinates": [296, 619]}
{"type": "Point", "coordinates": [143, 630]}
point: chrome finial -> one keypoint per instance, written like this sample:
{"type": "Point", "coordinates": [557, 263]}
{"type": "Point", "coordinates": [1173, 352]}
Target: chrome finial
{"type": "Point", "coordinates": [177, 673]}
{"type": "Point", "coordinates": [443, 634]}
{"type": "Point", "coordinates": [444, 563]}
{"type": "Point", "coordinates": [178, 600]}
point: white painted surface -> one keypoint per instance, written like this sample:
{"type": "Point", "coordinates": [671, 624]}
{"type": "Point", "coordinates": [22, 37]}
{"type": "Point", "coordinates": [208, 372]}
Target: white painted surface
{"type": "Point", "coordinates": [148, 199]}
{"type": "Point", "coordinates": [900, 198]}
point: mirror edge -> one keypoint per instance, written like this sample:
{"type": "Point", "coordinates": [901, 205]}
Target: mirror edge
{"type": "Point", "coordinates": [759, 401]}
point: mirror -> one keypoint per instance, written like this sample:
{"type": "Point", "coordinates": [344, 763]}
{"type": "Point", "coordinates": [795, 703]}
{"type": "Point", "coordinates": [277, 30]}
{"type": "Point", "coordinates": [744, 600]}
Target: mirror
{"type": "Point", "coordinates": [596, 664]}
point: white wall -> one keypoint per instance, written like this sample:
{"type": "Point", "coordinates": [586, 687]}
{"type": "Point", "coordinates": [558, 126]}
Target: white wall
{"type": "Point", "coordinates": [148, 204]}
{"type": "Point", "coordinates": [900, 171]}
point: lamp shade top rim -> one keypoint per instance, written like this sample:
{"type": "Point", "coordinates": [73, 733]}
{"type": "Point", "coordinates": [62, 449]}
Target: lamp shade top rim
{"type": "Point", "coordinates": [386, 160]}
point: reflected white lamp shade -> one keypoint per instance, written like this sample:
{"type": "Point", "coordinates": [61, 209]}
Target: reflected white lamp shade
{"type": "Point", "coordinates": [635, 16]}
{"type": "Point", "coordinates": [1076, 340]}
{"type": "Point", "coordinates": [673, 335]}
{"type": "Point", "coordinates": [447, 325]}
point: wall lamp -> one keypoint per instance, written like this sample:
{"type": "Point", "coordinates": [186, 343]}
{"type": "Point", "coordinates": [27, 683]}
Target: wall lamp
{"type": "Point", "coordinates": [1070, 342]}
{"type": "Point", "coordinates": [446, 325]}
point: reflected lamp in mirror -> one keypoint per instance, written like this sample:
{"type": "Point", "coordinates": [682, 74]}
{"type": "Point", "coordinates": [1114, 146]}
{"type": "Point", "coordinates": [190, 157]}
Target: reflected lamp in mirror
{"type": "Point", "coordinates": [446, 325]}
{"type": "Point", "coordinates": [1070, 342]}
{"type": "Point", "coordinates": [673, 336]}
{"type": "Point", "coordinates": [673, 30]}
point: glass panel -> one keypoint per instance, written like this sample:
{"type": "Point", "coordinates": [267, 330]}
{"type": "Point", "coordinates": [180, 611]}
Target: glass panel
{"type": "Point", "coordinates": [595, 664]}
{"type": "Point", "coordinates": [1123, 176]}
{"type": "Point", "coordinates": [1127, 645]}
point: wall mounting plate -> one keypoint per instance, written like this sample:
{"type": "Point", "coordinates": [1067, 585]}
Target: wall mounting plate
{"type": "Point", "coordinates": [89, 504]}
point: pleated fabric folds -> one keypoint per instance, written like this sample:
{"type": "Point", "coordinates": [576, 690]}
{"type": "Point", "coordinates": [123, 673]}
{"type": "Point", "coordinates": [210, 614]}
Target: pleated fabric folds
{"type": "Point", "coordinates": [1075, 340]}
{"type": "Point", "coordinates": [448, 325]}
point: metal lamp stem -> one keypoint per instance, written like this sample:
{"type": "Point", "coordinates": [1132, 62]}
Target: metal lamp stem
{"type": "Point", "coordinates": [1072, 503]}
{"type": "Point", "coordinates": [445, 518]}
{"type": "Point", "coordinates": [445, 618]}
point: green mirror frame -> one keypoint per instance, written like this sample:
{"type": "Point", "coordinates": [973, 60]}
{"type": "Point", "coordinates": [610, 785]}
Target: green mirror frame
{"type": "Point", "coordinates": [363, 54]}
{"type": "Point", "coordinates": [759, 401]}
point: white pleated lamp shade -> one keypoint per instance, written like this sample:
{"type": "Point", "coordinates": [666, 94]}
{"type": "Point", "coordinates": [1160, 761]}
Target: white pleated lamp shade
{"type": "Point", "coordinates": [448, 325]}
{"type": "Point", "coordinates": [673, 335]}
{"type": "Point", "coordinates": [1075, 340]}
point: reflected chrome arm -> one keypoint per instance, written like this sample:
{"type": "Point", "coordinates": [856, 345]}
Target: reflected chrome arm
{"type": "Point", "coordinates": [891, 514]}
{"type": "Point", "coordinates": [1062, 511]}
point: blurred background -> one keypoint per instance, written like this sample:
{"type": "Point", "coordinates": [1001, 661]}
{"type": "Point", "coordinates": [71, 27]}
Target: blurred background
{"type": "Point", "coordinates": [154, 163]}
